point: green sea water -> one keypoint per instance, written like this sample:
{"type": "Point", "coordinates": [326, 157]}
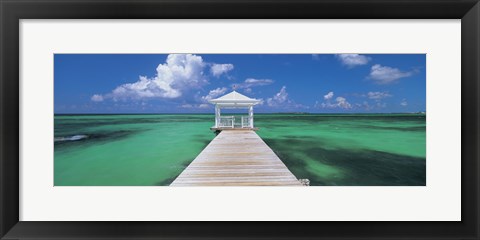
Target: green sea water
{"type": "Point", "coordinates": [329, 150]}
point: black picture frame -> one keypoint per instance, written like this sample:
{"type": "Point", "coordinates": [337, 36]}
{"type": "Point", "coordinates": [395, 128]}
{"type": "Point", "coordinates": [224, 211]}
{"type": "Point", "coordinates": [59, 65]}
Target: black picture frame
{"type": "Point", "coordinates": [12, 11]}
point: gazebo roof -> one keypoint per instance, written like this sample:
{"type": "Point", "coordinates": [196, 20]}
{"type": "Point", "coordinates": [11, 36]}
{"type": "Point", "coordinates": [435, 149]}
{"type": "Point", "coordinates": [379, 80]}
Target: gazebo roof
{"type": "Point", "coordinates": [233, 99]}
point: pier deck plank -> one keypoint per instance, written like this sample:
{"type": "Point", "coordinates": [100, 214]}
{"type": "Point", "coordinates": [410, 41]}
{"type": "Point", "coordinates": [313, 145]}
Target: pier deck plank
{"type": "Point", "coordinates": [236, 158]}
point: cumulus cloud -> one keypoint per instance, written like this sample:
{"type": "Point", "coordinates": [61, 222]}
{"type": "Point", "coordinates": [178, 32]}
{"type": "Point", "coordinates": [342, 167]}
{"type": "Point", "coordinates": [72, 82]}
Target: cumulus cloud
{"type": "Point", "coordinates": [179, 73]}
{"type": "Point", "coordinates": [97, 98]}
{"type": "Point", "coordinates": [339, 102]}
{"type": "Point", "coordinates": [378, 95]}
{"type": "Point", "coordinates": [279, 98]}
{"type": "Point", "coordinates": [385, 75]}
{"type": "Point", "coordinates": [367, 106]}
{"type": "Point", "coordinates": [328, 96]}
{"type": "Point", "coordinates": [219, 69]}
{"type": "Point", "coordinates": [403, 103]}
{"type": "Point", "coordinates": [214, 94]}
{"type": "Point", "coordinates": [342, 103]}
{"type": "Point", "coordinates": [352, 60]}
{"type": "Point", "coordinates": [202, 102]}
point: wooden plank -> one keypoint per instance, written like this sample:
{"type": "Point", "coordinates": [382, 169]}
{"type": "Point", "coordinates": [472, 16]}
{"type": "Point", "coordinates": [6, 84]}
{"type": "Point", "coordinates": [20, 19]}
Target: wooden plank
{"type": "Point", "coordinates": [236, 158]}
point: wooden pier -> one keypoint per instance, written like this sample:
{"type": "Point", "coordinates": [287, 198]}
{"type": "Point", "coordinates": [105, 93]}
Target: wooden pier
{"type": "Point", "coordinates": [236, 158]}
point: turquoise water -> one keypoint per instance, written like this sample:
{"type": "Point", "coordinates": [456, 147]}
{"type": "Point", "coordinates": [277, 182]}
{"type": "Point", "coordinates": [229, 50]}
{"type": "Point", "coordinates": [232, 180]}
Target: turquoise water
{"type": "Point", "coordinates": [151, 150]}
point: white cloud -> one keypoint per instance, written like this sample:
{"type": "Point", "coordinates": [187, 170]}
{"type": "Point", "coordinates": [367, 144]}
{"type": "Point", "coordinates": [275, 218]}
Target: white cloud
{"type": "Point", "coordinates": [219, 69]}
{"type": "Point", "coordinates": [367, 106]}
{"type": "Point", "coordinates": [258, 82]}
{"type": "Point", "coordinates": [381, 105]}
{"type": "Point", "coordinates": [279, 98]}
{"type": "Point", "coordinates": [352, 60]}
{"type": "Point", "coordinates": [202, 102]}
{"type": "Point", "coordinates": [340, 102]}
{"type": "Point", "coordinates": [252, 82]}
{"type": "Point", "coordinates": [378, 95]}
{"type": "Point", "coordinates": [385, 75]}
{"type": "Point", "coordinates": [190, 106]}
{"type": "Point", "coordinates": [328, 96]}
{"type": "Point", "coordinates": [97, 98]}
{"type": "Point", "coordinates": [179, 73]}
{"type": "Point", "coordinates": [403, 103]}
{"type": "Point", "coordinates": [186, 106]}
{"type": "Point", "coordinates": [214, 94]}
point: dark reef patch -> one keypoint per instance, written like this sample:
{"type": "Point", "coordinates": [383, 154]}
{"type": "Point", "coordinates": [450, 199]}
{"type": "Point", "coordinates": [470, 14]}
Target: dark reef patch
{"type": "Point", "coordinates": [97, 137]}
{"type": "Point", "coordinates": [358, 167]}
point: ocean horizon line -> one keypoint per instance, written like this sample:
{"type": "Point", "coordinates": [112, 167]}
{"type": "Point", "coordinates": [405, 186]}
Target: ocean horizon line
{"type": "Point", "coordinates": [284, 113]}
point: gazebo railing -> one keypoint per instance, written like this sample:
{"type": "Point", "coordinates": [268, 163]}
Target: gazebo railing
{"type": "Point", "coordinates": [227, 122]}
{"type": "Point", "coordinates": [245, 121]}
{"type": "Point", "coordinates": [232, 122]}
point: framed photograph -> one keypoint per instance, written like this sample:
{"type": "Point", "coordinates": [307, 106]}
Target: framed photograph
{"type": "Point", "coordinates": [239, 120]}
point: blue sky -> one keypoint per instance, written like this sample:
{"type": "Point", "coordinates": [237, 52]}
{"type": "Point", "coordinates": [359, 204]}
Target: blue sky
{"type": "Point", "coordinates": [183, 83]}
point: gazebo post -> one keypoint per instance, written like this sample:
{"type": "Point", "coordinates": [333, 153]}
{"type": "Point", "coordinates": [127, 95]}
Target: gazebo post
{"type": "Point", "coordinates": [217, 115]}
{"type": "Point", "coordinates": [250, 116]}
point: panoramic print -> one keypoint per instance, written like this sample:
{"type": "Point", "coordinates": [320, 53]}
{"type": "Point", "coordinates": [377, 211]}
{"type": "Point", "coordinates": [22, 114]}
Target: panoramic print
{"type": "Point", "coordinates": [292, 120]}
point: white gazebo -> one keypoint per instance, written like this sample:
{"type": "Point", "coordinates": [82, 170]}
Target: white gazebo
{"type": "Point", "coordinates": [234, 100]}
